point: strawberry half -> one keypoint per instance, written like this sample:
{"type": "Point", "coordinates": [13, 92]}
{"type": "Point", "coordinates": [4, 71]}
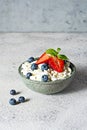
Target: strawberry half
{"type": "Point", "coordinates": [56, 64]}
{"type": "Point", "coordinates": [43, 58]}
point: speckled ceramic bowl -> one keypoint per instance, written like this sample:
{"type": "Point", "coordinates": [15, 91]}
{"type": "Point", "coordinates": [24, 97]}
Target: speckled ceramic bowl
{"type": "Point", "coordinates": [50, 87]}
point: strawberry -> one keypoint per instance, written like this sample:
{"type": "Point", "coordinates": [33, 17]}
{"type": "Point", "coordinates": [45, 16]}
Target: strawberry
{"type": "Point", "coordinates": [56, 64]}
{"type": "Point", "coordinates": [53, 58]}
{"type": "Point", "coordinates": [43, 58]}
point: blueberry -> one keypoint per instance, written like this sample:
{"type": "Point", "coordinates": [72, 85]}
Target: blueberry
{"type": "Point", "coordinates": [21, 99]}
{"type": "Point", "coordinates": [34, 66]}
{"type": "Point", "coordinates": [45, 78]}
{"type": "Point", "coordinates": [12, 92]}
{"type": "Point", "coordinates": [31, 59]}
{"type": "Point", "coordinates": [28, 75]}
{"type": "Point", "coordinates": [44, 67]}
{"type": "Point", "coordinates": [12, 101]}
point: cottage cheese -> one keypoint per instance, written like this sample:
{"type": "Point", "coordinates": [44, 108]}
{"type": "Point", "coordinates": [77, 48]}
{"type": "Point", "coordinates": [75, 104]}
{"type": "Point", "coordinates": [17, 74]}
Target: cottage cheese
{"type": "Point", "coordinates": [52, 74]}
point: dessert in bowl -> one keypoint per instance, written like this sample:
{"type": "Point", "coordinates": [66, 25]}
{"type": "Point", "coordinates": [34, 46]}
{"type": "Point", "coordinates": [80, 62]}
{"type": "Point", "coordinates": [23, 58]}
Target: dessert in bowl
{"type": "Point", "coordinates": [48, 74]}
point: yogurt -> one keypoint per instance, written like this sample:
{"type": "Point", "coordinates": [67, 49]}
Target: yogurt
{"type": "Point", "coordinates": [52, 74]}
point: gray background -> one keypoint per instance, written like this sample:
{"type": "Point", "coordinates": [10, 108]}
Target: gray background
{"type": "Point", "coordinates": [43, 15]}
{"type": "Point", "coordinates": [66, 110]}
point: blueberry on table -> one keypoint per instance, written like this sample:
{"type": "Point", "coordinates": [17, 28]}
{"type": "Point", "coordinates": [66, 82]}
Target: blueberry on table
{"type": "Point", "coordinates": [34, 66]}
{"type": "Point", "coordinates": [12, 92]}
{"type": "Point", "coordinates": [44, 67]}
{"type": "Point", "coordinates": [12, 101]}
{"type": "Point", "coordinates": [21, 99]}
{"type": "Point", "coordinates": [44, 78]}
{"type": "Point", "coordinates": [28, 75]}
{"type": "Point", "coordinates": [31, 59]}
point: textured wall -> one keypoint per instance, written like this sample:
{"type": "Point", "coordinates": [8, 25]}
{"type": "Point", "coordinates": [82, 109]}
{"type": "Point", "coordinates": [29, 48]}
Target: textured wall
{"type": "Point", "coordinates": [43, 15]}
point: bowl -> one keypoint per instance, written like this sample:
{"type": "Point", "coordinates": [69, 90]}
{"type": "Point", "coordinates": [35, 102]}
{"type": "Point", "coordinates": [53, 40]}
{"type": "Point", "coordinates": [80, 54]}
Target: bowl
{"type": "Point", "coordinates": [50, 87]}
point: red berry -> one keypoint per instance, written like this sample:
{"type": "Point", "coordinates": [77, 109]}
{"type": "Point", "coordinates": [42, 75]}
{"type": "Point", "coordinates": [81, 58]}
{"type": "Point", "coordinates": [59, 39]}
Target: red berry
{"type": "Point", "coordinates": [43, 58]}
{"type": "Point", "coordinates": [53, 61]}
{"type": "Point", "coordinates": [56, 64]}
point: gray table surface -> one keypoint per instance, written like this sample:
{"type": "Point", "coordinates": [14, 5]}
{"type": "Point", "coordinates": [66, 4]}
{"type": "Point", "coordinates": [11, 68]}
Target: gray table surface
{"type": "Point", "coordinates": [66, 110]}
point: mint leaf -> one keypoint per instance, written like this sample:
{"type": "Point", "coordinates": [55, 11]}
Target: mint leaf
{"type": "Point", "coordinates": [52, 52]}
{"type": "Point", "coordinates": [63, 57]}
{"type": "Point", "coordinates": [58, 50]}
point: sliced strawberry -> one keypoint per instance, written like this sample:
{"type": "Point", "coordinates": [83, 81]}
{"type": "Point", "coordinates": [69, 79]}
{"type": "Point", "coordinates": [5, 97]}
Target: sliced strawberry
{"type": "Point", "coordinates": [43, 58]}
{"type": "Point", "coordinates": [56, 64]}
{"type": "Point", "coordinates": [53, 58]}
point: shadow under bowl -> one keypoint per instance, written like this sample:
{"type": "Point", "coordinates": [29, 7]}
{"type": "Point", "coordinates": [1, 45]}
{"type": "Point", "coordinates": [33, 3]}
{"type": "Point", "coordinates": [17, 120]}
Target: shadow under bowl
{"type": "Point", "coordinates": [50, 87]}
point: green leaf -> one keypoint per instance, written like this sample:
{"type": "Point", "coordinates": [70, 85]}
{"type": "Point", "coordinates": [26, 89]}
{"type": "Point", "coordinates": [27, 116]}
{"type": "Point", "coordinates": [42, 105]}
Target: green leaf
{"type": "Point", "coordinates": [58, 50]}
{"type": "Point", "coordinates": [52, 52]}
{"type": "Point", "coordinates": [63, 57]}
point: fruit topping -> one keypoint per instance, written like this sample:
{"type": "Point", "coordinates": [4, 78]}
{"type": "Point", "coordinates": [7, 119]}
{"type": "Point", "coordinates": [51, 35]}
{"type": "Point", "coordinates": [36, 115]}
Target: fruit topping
{"type": "Point", "coordinates": [31, 59]}
{"type": "Point", "coordinates": [34, 66]}
{"type": "Point", "coordinates": [53, 59]}
{"type": "Point", "coordinates": [44, 67]}
{"type": "Point", "coordinates": [28, 75]}
{"type": "Point", "coordinates": [43, 58]}
{"type": "Point", "coordinates": [44, 78]}
{"type": "Point", "coordinates": [56, 64]}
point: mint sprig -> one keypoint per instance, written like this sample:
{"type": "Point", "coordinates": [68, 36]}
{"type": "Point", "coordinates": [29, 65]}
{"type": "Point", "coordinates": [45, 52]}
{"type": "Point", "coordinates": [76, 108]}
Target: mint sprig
{"type": "Point", "coordinates": [58, 50]}
{"type": "Point", "coordinates": [63, 57]}
{"type": "Point", "coordinates": [53, 52]}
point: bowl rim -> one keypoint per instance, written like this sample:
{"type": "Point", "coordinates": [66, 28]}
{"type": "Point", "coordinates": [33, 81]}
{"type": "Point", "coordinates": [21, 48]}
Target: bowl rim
{"type": "Point", "coordinates": [73, 68]}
